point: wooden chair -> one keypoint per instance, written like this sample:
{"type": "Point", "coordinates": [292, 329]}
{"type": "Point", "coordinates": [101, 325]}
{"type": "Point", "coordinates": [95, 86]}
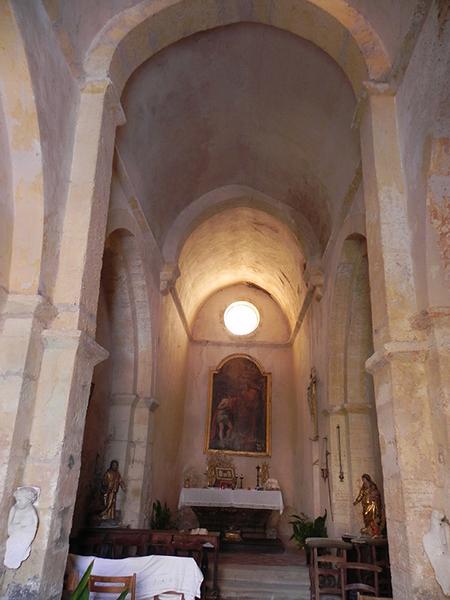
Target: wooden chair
{"type": "Point", "coordinates": [113, 585]}
{"type": "Point", "coordinates": [363, 583]}
{"type": "Point", "coordinates": [361, 597]}
{"type": "Point", "coordinates": [325, 568]}
{"type": "Point", "coordinates": [187, 545]}
{"type": "Point", "coordinates": [376, 552]}
{"type": "Point", "coordinates": [128, 543]}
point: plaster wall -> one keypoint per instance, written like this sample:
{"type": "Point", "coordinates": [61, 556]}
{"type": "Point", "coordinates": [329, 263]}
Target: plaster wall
{"type": "Point", "coordinates": [203, 358]}
{"type": "Point", "coordinates": [209, 324]}
{"type": "Point", "coordinates": [171, 383]}
{"type": "Point", "coordinates": [306, 492]}
{"type": "Point", "coordinates": [276, 359]}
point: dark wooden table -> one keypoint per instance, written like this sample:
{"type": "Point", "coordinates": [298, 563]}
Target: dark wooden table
{"type": "Point", "coordinates": [123, 542]}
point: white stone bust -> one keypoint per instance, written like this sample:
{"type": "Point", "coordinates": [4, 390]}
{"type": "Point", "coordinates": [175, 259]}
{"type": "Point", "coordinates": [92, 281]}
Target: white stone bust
{"type": "Point", "coordinates": [436, 544]}
{"type": "Point", "coordinates": [22, 526]}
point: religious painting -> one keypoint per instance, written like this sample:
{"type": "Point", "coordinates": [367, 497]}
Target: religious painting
{"type": "Point", "coordinates": [239, 408]}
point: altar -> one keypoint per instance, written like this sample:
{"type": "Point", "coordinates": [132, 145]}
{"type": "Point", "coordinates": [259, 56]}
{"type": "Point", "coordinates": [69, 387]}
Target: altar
{"type": "Point", "coordinates": [226, 510]}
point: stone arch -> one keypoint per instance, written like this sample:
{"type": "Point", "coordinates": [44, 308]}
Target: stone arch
{"type": "Point", "coordinates": [125, 42]}
{"type": "Point", "coordinates": [117, 49]}
{"type": "Point", "coordinates": [230, 196]}
{"type": "Point", "coordinates": [23, 211]}
{"type": "Point", "coordinates": [350, 388]}
{"type": "Point", "coordinates": [142, 319]}
{"type": "Point", "coordinates": [117, 423]}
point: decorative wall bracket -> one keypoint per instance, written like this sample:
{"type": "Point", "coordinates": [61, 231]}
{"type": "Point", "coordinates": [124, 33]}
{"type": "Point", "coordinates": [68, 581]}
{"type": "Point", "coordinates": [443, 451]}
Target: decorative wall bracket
{"type": "Point", "coordinates": [167, 277]}
{"type": "Point", "coordinates": [314, 278]}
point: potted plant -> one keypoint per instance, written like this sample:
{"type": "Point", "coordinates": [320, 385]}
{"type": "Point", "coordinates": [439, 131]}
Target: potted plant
{"type": "Point", "coordinates": [303, 528]}
{"type": "Point", "coordinates": [161, 516]}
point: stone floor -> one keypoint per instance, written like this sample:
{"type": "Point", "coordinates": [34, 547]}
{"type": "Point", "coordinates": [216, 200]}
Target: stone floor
{"type": "Point", "coordinates": [255, 576]}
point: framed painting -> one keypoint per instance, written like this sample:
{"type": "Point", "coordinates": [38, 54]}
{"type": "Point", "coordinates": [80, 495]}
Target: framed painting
{"type": "Point", "coordinates": [239, 408]}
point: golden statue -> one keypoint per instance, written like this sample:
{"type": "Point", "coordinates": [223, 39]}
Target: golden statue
{"type": "Point", "coordinates": [111, 482]}
{"type": "Point", "coordinates": [372, 507]}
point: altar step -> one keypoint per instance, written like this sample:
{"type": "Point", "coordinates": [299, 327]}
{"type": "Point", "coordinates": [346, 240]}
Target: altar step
{"type": "Point", "coordinates": [263, 582]}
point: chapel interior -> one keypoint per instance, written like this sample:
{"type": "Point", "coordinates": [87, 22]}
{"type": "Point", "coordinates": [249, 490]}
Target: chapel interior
{"type": "Point", "coordinates": [161, 160]}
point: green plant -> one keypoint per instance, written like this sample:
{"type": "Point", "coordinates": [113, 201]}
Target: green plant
{"type": "Point", "coordinates": [303, 527]}
{"type": "Point", "coordinates": [81, 592]}
{"type": "Point", "coordinates": [161, 516]}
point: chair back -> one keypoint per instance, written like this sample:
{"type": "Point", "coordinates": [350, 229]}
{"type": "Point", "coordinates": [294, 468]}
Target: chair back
{"type": "Point", "coordinates": [160, 542]}
{"type": "Point", "coordinates": [361, 597]}
{"type": "Point", "coordinates": [185, 545]}
{"type": "Point", "coordinates": [129, 543]}
{"type": "Point", "coordinates": [113, 585]}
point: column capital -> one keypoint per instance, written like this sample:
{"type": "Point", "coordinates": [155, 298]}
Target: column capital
{"type": "Point", "coordinates": [106, 87]}
{"type": "Point", "coordinates": [404, 350]}
{"type": "Point", "coordinates": [168, 276]}
{"type": "Point", "coordinates": [26, 306]}
{"type": "Point", "coordinates": [314, 277]}
{"type": "Point", "coordinates": [75, 339]}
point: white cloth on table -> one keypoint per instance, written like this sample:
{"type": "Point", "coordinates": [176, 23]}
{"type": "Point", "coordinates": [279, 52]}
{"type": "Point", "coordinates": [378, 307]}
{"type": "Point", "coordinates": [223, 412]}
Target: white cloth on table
{"type": "Point", "coordinates": [257, 499]}
{"type": "Point", "coordinates": [155, 575]}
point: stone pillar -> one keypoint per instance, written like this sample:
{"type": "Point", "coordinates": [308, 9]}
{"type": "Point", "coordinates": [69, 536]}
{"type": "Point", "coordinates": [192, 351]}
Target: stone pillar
{"type": "Point", "coordinates": [22, 321]}
{"type": "Point", "coordinates": [138, 475]}
{"type": "Point", "coordinates": [119, 429]}
{"type": "Point", "coordinates": [70, 352]}
{"type": "Point", "coordinates": [53, 461]}
{"type": "Point", "coordinates": [128, 442]}
{"type": "Point", "coordinates": [403, 404]}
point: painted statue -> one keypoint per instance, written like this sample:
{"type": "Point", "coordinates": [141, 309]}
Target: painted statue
{"type": "Point", "coordinates": [111, 482]}
{"type": "Point", "coordinates": [372, 507]}
{"type": "Point", "coordinates": [22, 526]}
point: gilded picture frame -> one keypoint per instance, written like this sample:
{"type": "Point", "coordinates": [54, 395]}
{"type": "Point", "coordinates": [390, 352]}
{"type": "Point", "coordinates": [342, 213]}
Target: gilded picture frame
{"type": "Point", "coordinates": [239, 408]}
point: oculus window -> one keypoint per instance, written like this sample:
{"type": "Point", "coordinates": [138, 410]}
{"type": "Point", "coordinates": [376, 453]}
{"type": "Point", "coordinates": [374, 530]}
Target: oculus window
{"type": "Point", "coordinates": [241, 318]}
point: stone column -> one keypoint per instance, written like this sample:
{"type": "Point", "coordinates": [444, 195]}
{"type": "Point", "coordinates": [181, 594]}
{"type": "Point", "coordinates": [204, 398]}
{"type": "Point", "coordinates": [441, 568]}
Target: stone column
{"type": "Point", "coordinates": [53, 462]}
{"type": "Point", "coordinates": [138, 475]}
{"type": "Point", "coordinates": [403, 404]}
{"type": "Point", "coordinates": [70, 352]}
{"type": "Point", "coordinates": [22, 321]}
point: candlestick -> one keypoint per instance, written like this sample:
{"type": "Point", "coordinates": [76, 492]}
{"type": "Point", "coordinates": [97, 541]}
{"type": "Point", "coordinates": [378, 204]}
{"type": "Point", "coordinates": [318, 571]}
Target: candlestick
{"type": "Point", "coordinates": [258, 475]}
{"type": "Point", "coordinates": [341, 472]}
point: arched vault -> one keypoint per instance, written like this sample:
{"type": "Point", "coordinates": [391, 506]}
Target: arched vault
{"type": "Point", "coordinates": [241, 244]}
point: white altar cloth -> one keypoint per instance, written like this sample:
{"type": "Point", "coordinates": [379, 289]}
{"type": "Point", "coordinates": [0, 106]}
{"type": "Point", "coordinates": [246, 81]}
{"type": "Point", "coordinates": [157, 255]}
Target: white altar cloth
{"type": "Point", "coordinates": [155, 575]}
{"type": "Point", "coordinates": [256, 499]}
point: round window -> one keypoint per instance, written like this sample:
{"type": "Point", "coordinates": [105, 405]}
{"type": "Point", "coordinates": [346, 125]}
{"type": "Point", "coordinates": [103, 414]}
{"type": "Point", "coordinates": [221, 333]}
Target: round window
{"type": "Point", "coordinates": [241, 318]}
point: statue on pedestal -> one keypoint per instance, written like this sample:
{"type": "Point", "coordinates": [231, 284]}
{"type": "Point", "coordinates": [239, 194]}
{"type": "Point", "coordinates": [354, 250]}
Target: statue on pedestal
{"type": "Point", "coordinates": [372, 507]}
{"type": "Point", "coordinates": [111, 482]}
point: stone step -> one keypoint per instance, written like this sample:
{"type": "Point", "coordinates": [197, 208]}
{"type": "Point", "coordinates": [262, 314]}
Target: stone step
{"type": "Point", "coordinates": [263, 582]}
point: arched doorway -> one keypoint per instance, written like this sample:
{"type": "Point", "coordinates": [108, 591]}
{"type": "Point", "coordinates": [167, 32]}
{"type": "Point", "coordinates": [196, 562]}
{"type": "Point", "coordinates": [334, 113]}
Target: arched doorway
{"type": "Point", "coordinates": [118, 417]}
